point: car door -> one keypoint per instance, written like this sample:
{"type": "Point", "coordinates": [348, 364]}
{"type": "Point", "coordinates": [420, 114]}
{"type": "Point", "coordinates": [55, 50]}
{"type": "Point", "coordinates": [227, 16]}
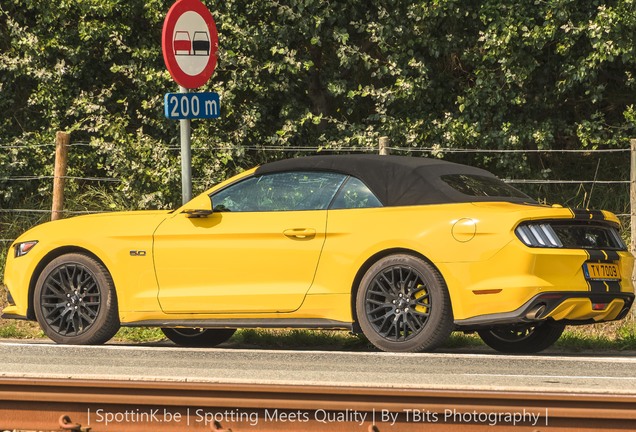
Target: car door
{"type": "Point", "coordinates": [256, 253]}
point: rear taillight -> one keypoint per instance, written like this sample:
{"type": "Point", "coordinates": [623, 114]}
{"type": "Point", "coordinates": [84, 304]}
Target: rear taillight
{"type": "Point", "coordinates": [570, 235]}
{"type": "Point", "coordinates": [538, 235]}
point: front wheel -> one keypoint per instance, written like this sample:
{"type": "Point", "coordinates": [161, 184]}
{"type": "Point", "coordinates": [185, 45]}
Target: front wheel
{"type": "Point", "coordinates": [403, 305]}
{"type": "Point", "coordinates": [75, 301]}
{"type": "Point", "coordinates": [522, 339]}
{"type": "Point", "coordinates": [198, 337]}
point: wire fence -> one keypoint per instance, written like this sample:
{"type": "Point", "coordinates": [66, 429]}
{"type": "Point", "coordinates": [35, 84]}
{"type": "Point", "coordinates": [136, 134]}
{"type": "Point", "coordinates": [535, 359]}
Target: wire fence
{"type": "Point", "coordinates": [434, 151]}
{"type": "Point", "coordinates": [30, 178]}
{"type": "Point", "coordinates": [512, 181]}
{"type": "Point", "coordinates": [373, 149]}
{"type": "Point", "coordinates": [368, 149]}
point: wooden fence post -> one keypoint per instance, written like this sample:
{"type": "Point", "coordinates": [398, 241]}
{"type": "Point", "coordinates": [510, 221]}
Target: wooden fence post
{"type": "Point", "coordinates": [383, 144]}
{"type": "Point", "coordinates": [632, 202]}
{"type": "Point", "coordinates": [62, 141]}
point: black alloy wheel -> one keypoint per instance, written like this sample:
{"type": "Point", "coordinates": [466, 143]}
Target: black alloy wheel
{"type": "Point", "coordinates": [75, 301]}
{"type": "Point", "coordinates": [523, 338]}
{"type": "Point", "coordinates": [403, 305]}
{"type": "Point", "coordinates": [198, 337]}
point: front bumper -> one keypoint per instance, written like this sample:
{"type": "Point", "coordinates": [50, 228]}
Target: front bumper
{"type": "Point", "coordinates": [572, 308]}
{"type": "Point", "coordinates": [6, 314]}
{"type": "Point", "coordinates": [11, 311]}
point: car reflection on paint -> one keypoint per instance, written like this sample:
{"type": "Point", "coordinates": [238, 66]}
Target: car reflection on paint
{"type": "Point", "coordinates": [403, 250]}
{"type": "Point", "coordinates": [201, 43]}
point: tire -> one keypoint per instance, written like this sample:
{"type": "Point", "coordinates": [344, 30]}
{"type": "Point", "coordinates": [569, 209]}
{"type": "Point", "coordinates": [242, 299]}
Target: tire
{"type": "Point", "coordinates": [522, 339]}
{"type": "Point", "coordinates": [198, 337]}
{"type": "Point", "coordinates": [75, 301]}
{"type": "Point", "coordinates": [402, 305]}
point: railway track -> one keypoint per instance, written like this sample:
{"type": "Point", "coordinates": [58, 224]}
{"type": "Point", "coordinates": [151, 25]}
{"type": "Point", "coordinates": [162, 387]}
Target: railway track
{"type": "Point", "coordinates": [111, 405]}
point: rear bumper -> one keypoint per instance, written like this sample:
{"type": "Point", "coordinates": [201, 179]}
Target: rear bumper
{"type": "Point", "coordinates": [572, 308]}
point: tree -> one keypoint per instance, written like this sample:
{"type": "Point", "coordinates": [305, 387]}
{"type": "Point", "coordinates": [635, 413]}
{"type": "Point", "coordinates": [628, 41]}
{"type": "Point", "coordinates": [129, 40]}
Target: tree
{"type": "Point", "coordinates": [300, 74]}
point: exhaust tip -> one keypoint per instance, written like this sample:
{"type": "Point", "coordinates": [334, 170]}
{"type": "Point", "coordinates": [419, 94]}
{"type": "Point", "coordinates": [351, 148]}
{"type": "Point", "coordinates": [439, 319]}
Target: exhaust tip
{"type": "Point", "coordinates": [536, 312]}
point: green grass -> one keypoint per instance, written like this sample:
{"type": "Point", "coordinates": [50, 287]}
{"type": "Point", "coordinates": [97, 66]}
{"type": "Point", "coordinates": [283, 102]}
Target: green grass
{"type": "Point", "coordinates": [461, 340]}
{"type": "Point", "coordinates": [20, 330]}
{"type": "Point", "coordinates": [612, 336]}
{"type": "Point", "coordinates": [606, 337]}
{"type": "Point", "coordinates": [139, 335]}
{"type": "Point", "coordinates": [291, 339]}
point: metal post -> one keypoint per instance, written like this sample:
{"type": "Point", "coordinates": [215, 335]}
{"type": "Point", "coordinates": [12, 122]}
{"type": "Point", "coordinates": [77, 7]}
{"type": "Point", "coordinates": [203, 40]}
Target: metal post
{"type": "Point", "coordinates": [383, 144]}
{"type": "Point", "coordinates": [186, 157]}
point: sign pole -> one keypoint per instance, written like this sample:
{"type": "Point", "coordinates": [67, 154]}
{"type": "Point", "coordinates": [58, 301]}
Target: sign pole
{"type": "Point", "coordinates": [186, 157]}
{"type": "Point", "coordinates": [189, 42]}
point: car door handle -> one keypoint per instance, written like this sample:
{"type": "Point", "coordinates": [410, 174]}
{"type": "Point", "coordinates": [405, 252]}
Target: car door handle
{"type": "Point", "coordinates": [300, 233]}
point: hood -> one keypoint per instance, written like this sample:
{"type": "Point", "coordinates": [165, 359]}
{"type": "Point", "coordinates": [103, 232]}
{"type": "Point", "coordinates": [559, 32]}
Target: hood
{"type": "Point", "coordinates": [115, 224]}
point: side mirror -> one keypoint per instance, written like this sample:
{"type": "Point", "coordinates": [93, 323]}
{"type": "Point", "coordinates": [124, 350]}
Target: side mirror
{"type": "Point", "coordinates": [197, 213]}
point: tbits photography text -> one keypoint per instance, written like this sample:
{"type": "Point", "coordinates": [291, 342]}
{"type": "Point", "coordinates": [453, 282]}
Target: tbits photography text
{"type": "Point", "coordinates": [196, 417]}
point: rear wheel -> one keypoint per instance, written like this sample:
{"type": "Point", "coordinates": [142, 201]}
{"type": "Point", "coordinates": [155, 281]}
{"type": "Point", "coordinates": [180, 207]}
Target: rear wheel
{"type": "Point", "coordinates": [403, 305]}
{"type": "Point", "coordinates": [522, 339]}
{"type": "Point", "coordinates": [75, 301]}
{"type": "Point", "coordinates": [198, 337]}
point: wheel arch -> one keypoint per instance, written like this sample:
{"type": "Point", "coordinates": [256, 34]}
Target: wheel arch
{"type": "Point", "coordinates": [55, 253]}
{"type": "Point", "coordinates": [367, 265]}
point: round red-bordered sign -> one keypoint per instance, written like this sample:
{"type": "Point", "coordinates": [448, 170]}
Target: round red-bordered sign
{"type": "Point", "coordinates": [189, 43]}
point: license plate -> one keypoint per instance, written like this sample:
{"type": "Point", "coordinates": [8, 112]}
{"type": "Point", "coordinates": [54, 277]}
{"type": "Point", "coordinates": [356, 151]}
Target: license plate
{"type": "Point", "coordinates": [601, 271]}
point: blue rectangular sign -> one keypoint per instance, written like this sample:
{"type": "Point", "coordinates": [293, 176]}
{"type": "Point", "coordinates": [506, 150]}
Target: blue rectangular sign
{"type": "Point", "coordinates": [182, 106]}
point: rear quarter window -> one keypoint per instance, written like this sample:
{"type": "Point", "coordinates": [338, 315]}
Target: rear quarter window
{"type": "Point", "coordinates": [481, 186]}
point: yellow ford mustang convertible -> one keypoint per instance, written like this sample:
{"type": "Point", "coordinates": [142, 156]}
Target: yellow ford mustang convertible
{"type": "Point", "coordinates": [405, 250]}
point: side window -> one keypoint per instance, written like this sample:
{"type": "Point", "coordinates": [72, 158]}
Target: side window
{"type": "Point", "coordinates": [355, 194]}
{"type": "Point", "coordinates": [287, 191]}
{"type": "Point", "coordinates": [480, 186]}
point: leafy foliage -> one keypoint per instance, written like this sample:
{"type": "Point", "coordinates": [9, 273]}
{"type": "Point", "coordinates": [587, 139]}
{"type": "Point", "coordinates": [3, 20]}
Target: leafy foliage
{"type": "Point", "coordinates": [555, 74]}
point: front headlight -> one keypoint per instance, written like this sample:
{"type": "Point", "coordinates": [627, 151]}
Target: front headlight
{"type": "Point", "coordinates": [21, 249]}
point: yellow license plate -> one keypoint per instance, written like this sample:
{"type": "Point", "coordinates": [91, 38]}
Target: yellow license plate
{"type": "Point", "coordinates": [601, 271]}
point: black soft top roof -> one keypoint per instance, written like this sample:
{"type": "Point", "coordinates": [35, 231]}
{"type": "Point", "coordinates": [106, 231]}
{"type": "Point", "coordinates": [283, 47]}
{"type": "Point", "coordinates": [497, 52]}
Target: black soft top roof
{"type": "Point", "coordinates": [395, 180]}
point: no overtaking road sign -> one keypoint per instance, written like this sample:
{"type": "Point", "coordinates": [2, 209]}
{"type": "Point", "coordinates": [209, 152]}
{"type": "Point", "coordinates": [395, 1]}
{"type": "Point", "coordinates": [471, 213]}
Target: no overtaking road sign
{"type": "Point", "coordinates": [190, 43]}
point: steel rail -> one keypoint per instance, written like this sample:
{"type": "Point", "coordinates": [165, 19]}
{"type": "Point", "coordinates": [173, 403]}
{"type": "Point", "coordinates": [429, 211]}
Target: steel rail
{"type": "Point", "coordinates": [116, 405]}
